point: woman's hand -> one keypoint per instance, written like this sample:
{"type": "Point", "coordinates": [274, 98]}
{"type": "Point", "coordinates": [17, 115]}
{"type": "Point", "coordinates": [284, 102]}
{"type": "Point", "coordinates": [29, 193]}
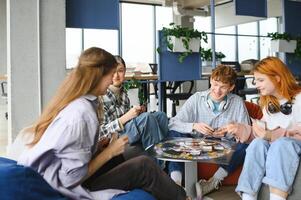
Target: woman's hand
{"type": "Point", "coordinates": [143, 108]}
{"type": "Point", "coordinates": [132, 113]}
{"type": "Point", "coordinates": [203, 128]}
{"type": "Point", "coordinates": [259, 131]}
{"type": "Point", "coordinates": [295, 132]}
{"type": "Point", "coordinates": [117, 146]}
{"type": "Point", "coordinates": [103, 143]}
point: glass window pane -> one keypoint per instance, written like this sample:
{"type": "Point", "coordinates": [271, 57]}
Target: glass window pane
{"type": "Point", "coordinates": [105, 39]}
{"type": "Point", "coordinates": [163, 17]}
{"type": "Point", "coordinates": [247, 48]}
{"type": "Point", "coordinates": [266, 26]}
{"type": "Point", "coordinates": [202, 23]}
{"type": "Point", "coordinates": [73, 46]}
{"type": "Point", "coordinates": [226, 45]}
{"type": "Point", "coordinates": [265, 47]}
{"type": "Point", "coordinates": [247, 29]}
{"type": "Point", "coordinates": [137, 33]}
{"type": "Point", "coordinates": [226, 30]}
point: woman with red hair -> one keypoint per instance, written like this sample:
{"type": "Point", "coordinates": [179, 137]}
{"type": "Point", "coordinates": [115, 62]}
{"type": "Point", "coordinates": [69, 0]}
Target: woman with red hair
{"type": "Point", "coordinates": [273, 156]}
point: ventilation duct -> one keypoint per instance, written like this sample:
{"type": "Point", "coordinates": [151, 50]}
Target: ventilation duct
{"type": "Point", "coordinates": [179, 10]}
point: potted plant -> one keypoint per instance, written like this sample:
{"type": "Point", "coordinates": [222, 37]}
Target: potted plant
{"type": "Point", "coordinates": [183, 40]}
{"type": "Point", "coordinates": [282, 42]}
{"type": "Point", "coordinates": [206, 56]}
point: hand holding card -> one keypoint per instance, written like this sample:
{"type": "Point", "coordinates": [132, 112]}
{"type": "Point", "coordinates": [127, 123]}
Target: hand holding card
{"type": "Point", "coordinates": [219, 132]}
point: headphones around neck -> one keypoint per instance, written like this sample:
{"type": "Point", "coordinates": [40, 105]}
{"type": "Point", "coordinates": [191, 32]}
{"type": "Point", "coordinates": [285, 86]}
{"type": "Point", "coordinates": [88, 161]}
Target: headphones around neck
{"type": "Point", "coordinates": [285, 108]}
{"type": "Point", "coordinates": [222, 105]}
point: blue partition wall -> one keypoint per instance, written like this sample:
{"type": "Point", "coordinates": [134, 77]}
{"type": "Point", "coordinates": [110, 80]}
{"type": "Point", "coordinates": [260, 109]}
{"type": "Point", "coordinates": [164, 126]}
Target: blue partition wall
{"type": "Point", "coordinates": [96, 14]}
{"type": "Point", "coordinates": [292, 25]}
{"type": "Point", "coordinates": [256, 8]}
{"type": "Point", "coordinates": [170, 69]}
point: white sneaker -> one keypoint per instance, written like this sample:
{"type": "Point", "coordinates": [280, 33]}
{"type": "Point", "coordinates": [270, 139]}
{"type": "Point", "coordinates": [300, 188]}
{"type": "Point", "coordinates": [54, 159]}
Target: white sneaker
{"type": "Point", "coordinates": [198, 190]}
{"type": "Point", "coordinates": [204, 187]}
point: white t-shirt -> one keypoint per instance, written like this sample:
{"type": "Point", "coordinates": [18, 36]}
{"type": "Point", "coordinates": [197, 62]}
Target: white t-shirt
{"type": "Point", "coordinates": [284, 121]}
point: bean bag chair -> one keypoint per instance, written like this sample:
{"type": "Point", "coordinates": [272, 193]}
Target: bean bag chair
{"type": "Point", "coordinates": [18, 182]}
{"type": "Point", "coordinates": [134, 195]}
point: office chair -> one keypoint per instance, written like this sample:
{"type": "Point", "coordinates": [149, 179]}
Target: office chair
{"type": "Point", "coordinates": [175, 97]}
{"type": "Point", "coordinates": [241, 86]}
{"type": "Point", "coordinates": [249, 89]}
{"type": "Point", "coordinates": [4, 94]}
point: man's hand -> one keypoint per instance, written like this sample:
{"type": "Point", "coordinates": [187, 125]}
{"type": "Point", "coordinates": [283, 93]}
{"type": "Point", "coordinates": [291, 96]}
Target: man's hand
{"type": "Point", "coordinates": [203, 128]}
{"type": "Point", "coordinates": [220, 132]}
{"type": "Point", "coordinates": [231, 128]}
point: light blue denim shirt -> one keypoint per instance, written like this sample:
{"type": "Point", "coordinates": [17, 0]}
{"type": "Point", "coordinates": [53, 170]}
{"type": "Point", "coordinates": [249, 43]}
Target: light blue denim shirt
{"type": "Point", "coordinates": [63, 153]}
{"type": "Point", "coordinates": [196, 110]}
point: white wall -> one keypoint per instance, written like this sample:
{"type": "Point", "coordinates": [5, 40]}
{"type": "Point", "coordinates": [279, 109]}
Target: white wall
{"type": "Point", "coordinates": [3, 65]}
{"type": "Point", "coordinates": [36, 58]}
{"type": "Point", "coordinates": [52, 47]}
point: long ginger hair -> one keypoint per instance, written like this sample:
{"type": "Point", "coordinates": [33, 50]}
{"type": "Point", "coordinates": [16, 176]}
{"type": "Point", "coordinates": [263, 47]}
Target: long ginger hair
{"type": "Point", "coordinates": [286, 85]}
{"type": "Point", "coordinates": [93, 64]}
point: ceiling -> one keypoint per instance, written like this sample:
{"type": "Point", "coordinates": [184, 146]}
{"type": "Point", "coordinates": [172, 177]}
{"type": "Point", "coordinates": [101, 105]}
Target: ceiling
{"type": "Point", "coordinates": [188, 4]}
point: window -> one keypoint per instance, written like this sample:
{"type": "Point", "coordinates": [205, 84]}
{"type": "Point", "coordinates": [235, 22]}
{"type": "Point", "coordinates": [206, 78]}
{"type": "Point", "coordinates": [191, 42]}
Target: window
{"type": "Point", "coordinates": [204, 24]}
{"type": "Point", "coordinates": [226, 43]}
{"type": "Point", "coordinates": [138, 41]}
{"type": "Point", "coordinates": [266, 26]}
{"type": "Point", "coordinates": [247, 45]}
{"type": "Point", "coordinates": [79, 39]}
{"type": "Point", "coordinates": [105, 39]}
{"type": "Point", "coordinates": [73, 46]}
{"type": "Point", "coordinates": [163, 17]}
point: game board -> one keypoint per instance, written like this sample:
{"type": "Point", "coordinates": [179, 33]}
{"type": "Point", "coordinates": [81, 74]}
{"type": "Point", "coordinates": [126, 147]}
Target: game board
{"type": "Point", "coordinates": [192, 148]}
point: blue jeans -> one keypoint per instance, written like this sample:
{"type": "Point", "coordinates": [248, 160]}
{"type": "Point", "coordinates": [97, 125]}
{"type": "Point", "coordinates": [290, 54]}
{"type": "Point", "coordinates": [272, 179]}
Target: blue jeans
{"type": "Point", "coordinates": [275, 164]}
{"type": "Point", "coordinates": [147, 128]}
{"type": "Point", "coordinates": [237, 158]}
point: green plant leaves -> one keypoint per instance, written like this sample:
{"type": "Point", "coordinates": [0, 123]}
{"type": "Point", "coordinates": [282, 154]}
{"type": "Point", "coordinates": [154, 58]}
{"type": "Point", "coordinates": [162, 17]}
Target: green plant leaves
{"type": "Point", "coordinates": [131, 84]}
{"type": "Point", "coordinates": [207, 55]}
{"type": "Point", "coordinates": [280, 36]}
{"type": "Point", "coordinates": [288, 37]}
{"type": "Point", "coordinates": [181, 32]}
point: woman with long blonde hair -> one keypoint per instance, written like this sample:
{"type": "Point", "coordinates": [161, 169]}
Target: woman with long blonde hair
{"type": "Point", "coordinates": [65, 151]}
{"type": "Point", "coordinates": [273, 156]}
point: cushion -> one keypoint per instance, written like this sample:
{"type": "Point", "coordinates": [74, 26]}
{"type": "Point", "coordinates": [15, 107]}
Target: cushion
{"type": "Point", "coordinates": [254, 110]}
{"type": "Point", "coordinates": [207, 170]}
{"type": "Point", "coordinates": [134, 195]}
{"type": "Point", "coordinates": [19, 182]}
